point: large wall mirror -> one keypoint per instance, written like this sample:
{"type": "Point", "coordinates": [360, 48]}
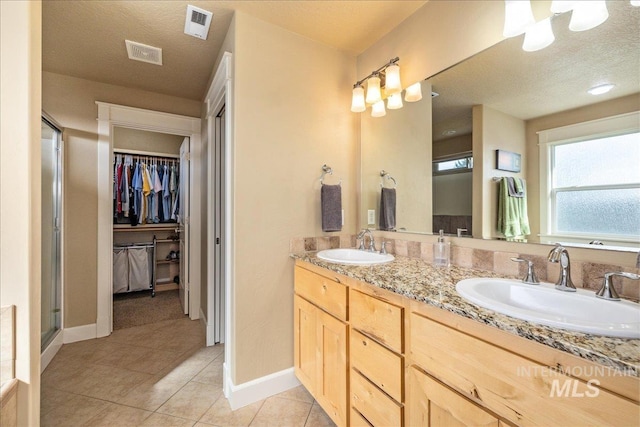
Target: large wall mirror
{"type": "Point", "coordinates": [441, 149]}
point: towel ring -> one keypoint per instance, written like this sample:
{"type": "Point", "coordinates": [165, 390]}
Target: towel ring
{"type": "Point", "coordinates": [384, 174]}
{"type": "Point", "coordinates": [327, 170]}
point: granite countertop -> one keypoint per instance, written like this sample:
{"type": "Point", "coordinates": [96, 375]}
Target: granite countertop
{"type": "Point", "coordinates": [422, 281]}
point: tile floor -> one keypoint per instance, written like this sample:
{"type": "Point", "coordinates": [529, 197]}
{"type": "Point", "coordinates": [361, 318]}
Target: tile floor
{"type": "Point", "coordinates": [157, 375]}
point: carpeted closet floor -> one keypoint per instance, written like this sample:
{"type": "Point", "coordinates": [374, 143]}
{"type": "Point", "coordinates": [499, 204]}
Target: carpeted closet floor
{"type": "Point", "coordinates": [138, 308]}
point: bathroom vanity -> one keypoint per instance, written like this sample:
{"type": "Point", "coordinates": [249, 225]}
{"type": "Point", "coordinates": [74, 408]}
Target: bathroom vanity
{"type": "Point", "coordinates": [394, 344]}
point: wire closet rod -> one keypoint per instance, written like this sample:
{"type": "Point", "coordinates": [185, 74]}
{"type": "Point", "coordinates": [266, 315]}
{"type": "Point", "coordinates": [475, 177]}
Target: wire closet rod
{"type": "Point", "coordinates": [146, 153]}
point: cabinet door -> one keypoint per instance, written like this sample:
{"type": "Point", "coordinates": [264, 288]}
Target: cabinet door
{"type": "Point", "coordinates": [331, 387]}
{"type": "Point", "coordinates": [304, 343]}
{"type": "Point", "coordinates": [433, 404]}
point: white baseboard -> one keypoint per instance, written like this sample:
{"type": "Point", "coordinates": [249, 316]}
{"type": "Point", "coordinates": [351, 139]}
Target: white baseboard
{"type": "Point", "coordinates": [80, 333]}
{"type": "Point", "coordinates": [52, 349]}
{"type": "Point", "coordinates": [208, 329]}
{"type": "Point", "coordinates": [253, 391]}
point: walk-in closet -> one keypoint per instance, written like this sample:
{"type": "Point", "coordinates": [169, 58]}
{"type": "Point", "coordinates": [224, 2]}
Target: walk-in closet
{"type": "Point", "coordinates": [149, 169]}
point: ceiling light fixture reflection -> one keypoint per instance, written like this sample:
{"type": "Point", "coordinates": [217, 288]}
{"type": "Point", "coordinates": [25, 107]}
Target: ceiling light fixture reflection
{"type": "Point", "coordinates": [394, 102]}
{"type": "Point", "coordinates": [561, 6]}
{"type": "Point", "coordinates": [635, 3]}
{"type": "Point", "coordinates": [377, 110]}
{"type": "Point", "coordinates": [601, 89]}
{"type": "Point", "coordinates": [413, 93]}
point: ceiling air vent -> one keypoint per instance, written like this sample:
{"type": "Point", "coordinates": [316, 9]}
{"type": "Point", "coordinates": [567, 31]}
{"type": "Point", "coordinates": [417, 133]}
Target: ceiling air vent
{"type": "Point", "coordinates": [197, 22]}
{"type": "Point", "coordinates": [144, 53]}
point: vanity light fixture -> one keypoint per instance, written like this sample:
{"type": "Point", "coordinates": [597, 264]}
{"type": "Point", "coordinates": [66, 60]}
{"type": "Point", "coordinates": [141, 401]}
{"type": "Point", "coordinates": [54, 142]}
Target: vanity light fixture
{"type": "Point", "coordinates": [588, 14]}
{"type": "Point", "coordinates": [517, 17]}
{"type": "Point", "coordinates": [377, 109]}
{"type": "Point", "coordinates": [413, 93]}
{"type": "Point", "coordinates": [394, 102]}
{"type": "Point", "coordinates": [601, 89]}
{"type": "Point", "coordinates": [381, 83]}
{"type": "Point", "coordinates": [635, 3]}
{"type": "Point", "coordinates": [538, 36]}
{"type": "Point", "coordinates": [561, 6]}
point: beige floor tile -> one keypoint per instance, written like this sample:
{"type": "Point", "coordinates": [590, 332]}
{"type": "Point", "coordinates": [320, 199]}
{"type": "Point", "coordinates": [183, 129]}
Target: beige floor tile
{"type": "Point", "coordinates": [298, 393]}
{"type": "Point", "coordinates": [151, 394]}
{"type": "Point", "coordinates": [282, 412]}
{"type": "Point", "coordinates": [192, 401]}
{"type": "Point", "coordinates": [108, 383]}
{"type": "Point", "coordinates": [220, 414]}
{"type": "Point", "coordinates": [74, 412]}
{"type": "Point", "coordinates": [161, 420]}
{"type": "Point", "coordinates": [119, 415]}
{"type": "Point", "coordinates": [318, 418]}
{"type": "Point", "coordinates": [211, 374]}
{"type": "Point", "coordinates": [123, 355]}
{"type": "Point", "coordinates": [183, 370]}
{"type": "Point", "coordinates": [51, 399]}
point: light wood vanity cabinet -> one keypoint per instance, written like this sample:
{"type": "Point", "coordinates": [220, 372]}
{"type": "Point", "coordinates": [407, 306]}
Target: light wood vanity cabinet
{"type": "Point", "coordinates": [321, 341]}
{"type": "Point", "coordinates": [374, 358]}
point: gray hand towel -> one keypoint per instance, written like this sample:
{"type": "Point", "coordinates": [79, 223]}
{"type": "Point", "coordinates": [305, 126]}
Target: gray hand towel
{"type": "Point", "coordinates": [387, 209]}
{"type": "Point", "coordinates": [515, 187]}
{"type": "Point", "coordinates": [331, 201]}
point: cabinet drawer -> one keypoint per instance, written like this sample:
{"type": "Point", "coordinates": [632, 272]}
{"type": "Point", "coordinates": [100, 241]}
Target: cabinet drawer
{"type": "Point", "coordinates": [357, 420]}
{"type": "Point", "coordinates": [378, 319]}
{"type": "Point", "coordinates": [514, 387]}
{"type": "Point", "coordinates": [378, 408]}
{"type": "Point", "coordinates": [432, 404]}
{"type": "Point", "coordinates": [380, 365]}
{"type": "Point", "coordinates": [330, 295]}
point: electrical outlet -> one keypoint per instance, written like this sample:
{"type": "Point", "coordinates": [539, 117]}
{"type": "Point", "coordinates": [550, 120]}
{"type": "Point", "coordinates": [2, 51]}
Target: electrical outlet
{"type": "Point", "coordinates": [371, 217]}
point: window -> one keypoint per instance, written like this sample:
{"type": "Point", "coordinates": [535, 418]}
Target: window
{"type": "Point", "coordinates": [593, 182]}
{"type": "Point", "coordinates": [453, 165]}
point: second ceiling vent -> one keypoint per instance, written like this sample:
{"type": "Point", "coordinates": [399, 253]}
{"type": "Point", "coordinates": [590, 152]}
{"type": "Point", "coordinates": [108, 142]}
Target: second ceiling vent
{"type": "Point", "coordinates": [143, 52]}
{"type": "Point", "coordinates": [197, 22]}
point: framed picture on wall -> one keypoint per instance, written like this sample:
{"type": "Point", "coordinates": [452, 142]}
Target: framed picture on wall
{"type": "Point", "coordinates": [508, 161]}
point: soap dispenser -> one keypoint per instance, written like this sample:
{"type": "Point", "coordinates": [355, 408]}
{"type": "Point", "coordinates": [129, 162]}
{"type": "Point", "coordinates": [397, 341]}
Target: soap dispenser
{"type": "Point", "coordinates": [441, 251]}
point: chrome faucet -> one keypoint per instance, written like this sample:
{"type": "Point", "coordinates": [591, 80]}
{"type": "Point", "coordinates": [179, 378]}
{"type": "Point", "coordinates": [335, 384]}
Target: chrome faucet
{"type": "Point", "coordinates": [530, 277]}
{"type": "Point", "coordinates": [560, 255]}
{"type": "Point", "coordinates": [607, 291]}
{"type": "Point", "coordinates": [361, 236]}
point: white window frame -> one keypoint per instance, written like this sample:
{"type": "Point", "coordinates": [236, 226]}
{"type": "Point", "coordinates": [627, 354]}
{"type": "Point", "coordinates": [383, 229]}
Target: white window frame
{"type": "Point", "coordinates": [547, 139]}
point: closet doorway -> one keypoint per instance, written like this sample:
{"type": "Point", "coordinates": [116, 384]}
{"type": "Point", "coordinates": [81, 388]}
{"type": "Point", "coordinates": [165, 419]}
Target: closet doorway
{"type": "Point", "coordinates": [150, 232]}
{"type": "Point", "coordinates": [112, 118]}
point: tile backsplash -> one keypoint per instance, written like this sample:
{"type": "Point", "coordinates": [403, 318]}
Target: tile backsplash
{"type": "Point", "coordinates": [588, 275]}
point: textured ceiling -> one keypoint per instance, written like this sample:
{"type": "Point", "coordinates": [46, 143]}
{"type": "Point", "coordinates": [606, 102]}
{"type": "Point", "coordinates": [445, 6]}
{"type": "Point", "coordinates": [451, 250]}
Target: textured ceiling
{"type": "Point", "coordinates": [534, 84]}
{"type": "Point", "coordinates": [85, 39]}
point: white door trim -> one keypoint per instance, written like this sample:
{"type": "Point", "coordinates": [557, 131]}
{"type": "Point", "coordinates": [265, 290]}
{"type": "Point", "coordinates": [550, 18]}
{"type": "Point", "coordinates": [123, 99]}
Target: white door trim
{"type": "Point", "coordinates": [110, 115]}
{"type": "Point", "coordinates": [221, 93]}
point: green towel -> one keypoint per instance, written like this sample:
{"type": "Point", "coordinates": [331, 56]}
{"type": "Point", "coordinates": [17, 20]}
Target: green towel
{"type": "Point", "coordinates": [513, 220]}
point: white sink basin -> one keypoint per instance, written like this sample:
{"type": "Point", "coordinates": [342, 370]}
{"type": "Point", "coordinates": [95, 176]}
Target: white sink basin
{"type": "Point", "coordinates": [577, 311]}
{"type": "Point", "coordinates": [354, 257]}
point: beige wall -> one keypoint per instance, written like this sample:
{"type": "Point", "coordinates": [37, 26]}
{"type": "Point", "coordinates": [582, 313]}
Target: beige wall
{"type": "Point", "coordinates": [71, 102]}
{"type": "Point", "coordinates": [20, 112]}
{"type": "Point", "coordinates": [451, 146]}
{"type": "Point", "coordinates": [492, 130]}
{"type": "Point", "coordinates": [141, 140]}
{"type": "Point", "coordinates": [292, 100]}
{"type": "Point", "coordinates": [439, 35]}
{"type": "Point", "coordinates": [614, 107]}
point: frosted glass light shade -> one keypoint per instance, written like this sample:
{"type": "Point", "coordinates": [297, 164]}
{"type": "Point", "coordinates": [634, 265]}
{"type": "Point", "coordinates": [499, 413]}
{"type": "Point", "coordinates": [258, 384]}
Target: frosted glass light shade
{"type": "Point", "coordinates": [413, 93]}
{"type": "Point", "coordinates": [378, 109]}
{"type": "Point", "coordinates": [392, 83]}
{"type": "Point", "coordinates": [588, 14]}
{"type": "Point", "coordinates": [517, 17]}
{"type": "Point", "coordinates": [373, 90]}
{"type": "Point", "coordinates": [561, 6]}
{"type": "Point", "coordinates": [635, 3]}
{"type": "Point", "coordinates": [538, 36]}
{"type": "Point", "coordinates": [394, 102]}
{"type": "Point", "coordinates": [357, 100]}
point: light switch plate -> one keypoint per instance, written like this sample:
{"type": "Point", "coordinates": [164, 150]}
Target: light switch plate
{"type": "Point", "coordinates": [371, 217]}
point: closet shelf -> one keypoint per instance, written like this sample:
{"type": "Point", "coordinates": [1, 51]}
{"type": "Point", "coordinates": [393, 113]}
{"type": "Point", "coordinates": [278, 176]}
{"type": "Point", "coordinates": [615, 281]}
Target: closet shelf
{"type": "Point", "coordinates": [168, 241]}
{"type": "Point", "coordinates": [167, 261]}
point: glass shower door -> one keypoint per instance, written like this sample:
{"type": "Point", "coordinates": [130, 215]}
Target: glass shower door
{"type": "Point", "coordinates": [51, 221]}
